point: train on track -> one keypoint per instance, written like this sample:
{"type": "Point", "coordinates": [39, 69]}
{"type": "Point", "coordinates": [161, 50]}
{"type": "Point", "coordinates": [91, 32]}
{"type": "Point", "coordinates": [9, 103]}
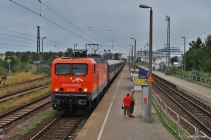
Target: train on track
{"type": "Point", "coordinates": [77, 84]}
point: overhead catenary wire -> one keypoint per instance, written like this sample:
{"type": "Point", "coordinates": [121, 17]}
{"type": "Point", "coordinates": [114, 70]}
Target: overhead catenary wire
{"type": "Point", "coordinates": [17, 32]}
{"type": "Point", "coordinates": [11, 45]}
{"type": "Point", "coordinates": [100, 44]}
{"type": "Point", "coordinates": [15, 41]}
{"type": "Point", "coordinates": [67, 21]}
{"type": "Point", "coordinates": [51, 21]}
{"type": "Point", "coordinates": [16, 36]}
{"type": "Point", "coordinates": [39, 14]}
{"type": "Point", "coordinates": [23, 40]}
{"type": "Point", "coordinates": [23, 34]}
{"type": "Point", "coordinates": [180, 42]}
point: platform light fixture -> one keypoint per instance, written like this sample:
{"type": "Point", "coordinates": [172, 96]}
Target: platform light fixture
{"type": "Point", "coordinates": [134, 51]}
{"type": "Point", "coordinates": [184, 53]}
{"type": "Point", "coordinates": [149, 116]}
{"type": "Point", "coordinates": [132, 57]}
{"type": "Point", "coordinates": [42, 51]}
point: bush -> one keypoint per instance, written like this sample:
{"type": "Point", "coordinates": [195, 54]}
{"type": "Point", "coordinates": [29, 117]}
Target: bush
{"type": "Point", "coordinates": [46, 69]}
{"type": "Point", "coordinates": [3, 71]}
{"type": "Point", "coordinates": [22, 68]}
{"type": "Point", "coordinates": [195, 72]}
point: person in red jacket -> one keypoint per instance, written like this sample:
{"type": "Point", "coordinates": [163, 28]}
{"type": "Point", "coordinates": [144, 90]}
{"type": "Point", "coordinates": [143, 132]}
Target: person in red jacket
{"type": "Point", "coordinates": [126, 102]}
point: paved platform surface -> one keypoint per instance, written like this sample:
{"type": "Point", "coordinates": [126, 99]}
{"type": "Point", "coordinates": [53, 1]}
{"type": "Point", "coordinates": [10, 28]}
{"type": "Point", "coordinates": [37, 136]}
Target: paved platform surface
{"type": "Point", "coordinates": [108, 123]}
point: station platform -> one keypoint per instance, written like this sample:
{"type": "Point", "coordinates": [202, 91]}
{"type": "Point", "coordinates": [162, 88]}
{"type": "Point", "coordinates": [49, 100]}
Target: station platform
{"type": "Point", "coordinates": [193, 89]}
{"type": "Point", "coordinates": [107, 122]}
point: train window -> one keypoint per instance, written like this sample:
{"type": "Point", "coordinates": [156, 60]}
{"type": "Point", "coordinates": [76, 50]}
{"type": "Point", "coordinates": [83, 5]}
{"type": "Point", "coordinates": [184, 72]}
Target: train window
{"type": "Point", "coordinates": [79, 69]}
{"type": "Point", "coordinates": [63, 69]}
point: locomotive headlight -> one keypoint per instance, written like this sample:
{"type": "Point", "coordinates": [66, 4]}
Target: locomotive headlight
{"type": "Point", "coordinates": [56, 89]}
{"type": "Point", "coordinates": [85, 89]}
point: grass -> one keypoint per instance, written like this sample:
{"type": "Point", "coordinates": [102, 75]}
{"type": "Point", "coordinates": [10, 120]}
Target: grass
{"type": "Point", "coordinates": [168, 128]}
{"type": "Point", "coordinates": [23, 76]}
{"type": "Point", "coordinates": [23, 100]}
{"type": "Point", "coordinates": [24, 129]}
{"type": "Point", "coordinates": [23, 86]}
{"type": "Point", "coordinates": [30, 124]}
{"type": "Point", "coordinates": [172, 124]}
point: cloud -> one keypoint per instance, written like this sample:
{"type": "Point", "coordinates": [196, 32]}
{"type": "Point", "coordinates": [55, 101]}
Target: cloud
{"type": "Point", "coordinates": [188, 18]}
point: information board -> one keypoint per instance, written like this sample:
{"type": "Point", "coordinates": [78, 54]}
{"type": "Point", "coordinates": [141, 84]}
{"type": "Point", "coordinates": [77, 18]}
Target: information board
{"type": "Point", "coordinates": [143, 74]}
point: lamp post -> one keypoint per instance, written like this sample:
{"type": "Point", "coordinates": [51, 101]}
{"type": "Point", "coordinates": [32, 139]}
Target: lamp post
{"type": "Point", "coordinates": [90, 31]}
{"type": "Point", "coordinates": [166, 55]}
{"type": "Point", "coordinates": [146, 51]}
{"type": "Point", "coordinates": [168, 44]}
{"type": "Point", "coordinates": [184, 52]}
{"type": "Point", "coordinates": [129, 59]}
{"type": "Point", "coordinates": [9, 61]}
{"type": "Point", "coordinates": [112, 39]}
{"type": "Point", "coordinates": [75, 46]}
{"type": "Point", "coordinates": [42, 51]}
{"type": "Point", "coordinates": [149, 116]}
{"type": "Point", "coordinates": [134, 51]}
{"type": "Point", "coordinates": [132, 66]}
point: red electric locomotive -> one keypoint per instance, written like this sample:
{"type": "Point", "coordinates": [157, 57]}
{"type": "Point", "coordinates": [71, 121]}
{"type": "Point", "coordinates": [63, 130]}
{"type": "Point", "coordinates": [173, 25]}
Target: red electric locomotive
{"type": "Point", "coordinates": [77, 83]}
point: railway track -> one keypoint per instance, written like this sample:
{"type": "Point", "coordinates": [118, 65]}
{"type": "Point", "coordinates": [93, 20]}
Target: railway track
{"type": "Point", "coordinates": [58, 129]}
{"type": "Point", "coordinates": [201, 116]}
{"type": "Point", "coordinates": [16, 114]}
{"type": "Point", "coordinates": [24, 82]}
{"type": "Point", "coordinates": [15, 94]}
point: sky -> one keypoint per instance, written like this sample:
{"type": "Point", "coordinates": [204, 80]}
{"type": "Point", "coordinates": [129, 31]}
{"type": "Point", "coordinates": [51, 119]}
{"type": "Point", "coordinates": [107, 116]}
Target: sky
{"type": "Point", "coordinates": [109, 23]}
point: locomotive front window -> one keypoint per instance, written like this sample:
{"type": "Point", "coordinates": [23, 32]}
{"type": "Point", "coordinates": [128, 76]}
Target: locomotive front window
{"type": "Point", "coordinates": [63, 69]}
{"type": "Point", "coordinates": [79, 69]}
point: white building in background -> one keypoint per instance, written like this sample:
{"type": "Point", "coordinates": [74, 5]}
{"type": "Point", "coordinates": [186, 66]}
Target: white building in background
{"type": "Point", "coordinates": [2, 56]}
{"type": "Point", "coordinates": [174, 52]}
{"type": "Point", "coordinates": [160, 56]}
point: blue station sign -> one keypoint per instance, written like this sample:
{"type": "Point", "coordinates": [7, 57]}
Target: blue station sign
{"type": "Point", "coordinates": [143, 74]}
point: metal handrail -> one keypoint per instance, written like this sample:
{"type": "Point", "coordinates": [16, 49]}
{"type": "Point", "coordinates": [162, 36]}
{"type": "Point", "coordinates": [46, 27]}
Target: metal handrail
{"type": "Point", "coordinates": [173, 120]}
{"type": "Point", "coordinates": [192, 77]}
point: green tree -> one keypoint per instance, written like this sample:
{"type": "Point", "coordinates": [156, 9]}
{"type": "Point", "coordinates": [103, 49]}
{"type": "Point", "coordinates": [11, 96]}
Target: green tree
{"type": "Point", "coordinates": [193, 56]}
{"type": "Point", "coordinates": [174, 59]}
{"type": "Point", "coordinates": [24, 56]}
{"type": "Point", "coordinates": [196, 45]}
{"type": "Point", "coordinates": [207, 54]}
{"type": "Point", "coordinates": [34, 56]}
{"type": "Point", "coordinates": [60, 54]}
{"type": "Point", "coordinates": [199, 55]}
{"type": "Point", "coordinates": [68, 53]}
{"type": "Point", "coordinates": [14, 63]}
{"type": "Point", "coordinates": [9, 53]}
{"type": "Point", "coordinates": [208, 45]}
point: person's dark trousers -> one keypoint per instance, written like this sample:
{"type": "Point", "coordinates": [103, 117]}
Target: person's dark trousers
{"type": "Point", "coordinates": [132, 107]}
